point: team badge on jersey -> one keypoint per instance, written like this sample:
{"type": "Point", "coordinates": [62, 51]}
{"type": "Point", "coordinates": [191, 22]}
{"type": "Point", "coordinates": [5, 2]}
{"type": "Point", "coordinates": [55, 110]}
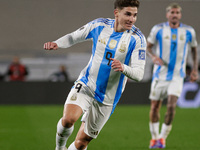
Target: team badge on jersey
{"type": "Point", "coordinates": [112, 44]}
{"type": "Point", "coordinates": [74, 97]}
{"type": "Point", "coordinates": [141, 54]}
{"type": "Point", "coordinates": [173, 36]}
{"type": "Point", "coordinates": [122, 48]}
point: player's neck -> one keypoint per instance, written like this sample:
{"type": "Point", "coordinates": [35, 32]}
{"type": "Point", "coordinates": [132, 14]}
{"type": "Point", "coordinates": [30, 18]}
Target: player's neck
{"type": "Point", "coordinates": [174, 25]}
{"type": "Point", "coordinates": [117, 27]}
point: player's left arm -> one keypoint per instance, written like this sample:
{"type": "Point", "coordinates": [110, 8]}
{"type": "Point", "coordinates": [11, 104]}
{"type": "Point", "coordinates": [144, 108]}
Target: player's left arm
{"type": "Point", "coordinates": [135, 69]}
{"type": "Point", "coordinates": [194, 73]}
{"type": "Point", "coordinates": [193, 44]}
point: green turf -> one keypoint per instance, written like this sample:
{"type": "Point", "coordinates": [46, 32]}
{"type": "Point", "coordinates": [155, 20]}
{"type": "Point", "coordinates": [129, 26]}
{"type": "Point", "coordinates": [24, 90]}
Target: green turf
{"type": "Point", "coordinates": [34, 128]}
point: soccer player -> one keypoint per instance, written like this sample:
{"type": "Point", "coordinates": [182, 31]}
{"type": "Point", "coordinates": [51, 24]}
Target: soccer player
{"type": "Point", "coordinates": [118, 52]}
{"type": "Point", "coordinates": [171, 40]}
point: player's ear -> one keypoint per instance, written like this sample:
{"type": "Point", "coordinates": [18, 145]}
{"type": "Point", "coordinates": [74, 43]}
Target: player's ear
{"type": "Point", "coordinates": [116, 11]}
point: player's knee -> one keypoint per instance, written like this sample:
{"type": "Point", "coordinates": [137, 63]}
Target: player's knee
{"type": "Point", "coordinates": [171, 108]}
{"type": "Point", "coordinates": [81, 144]}
{"type": "Point", "coordinates": [154, 109]}
{"type": "Point", "coordinates": [68, 122]}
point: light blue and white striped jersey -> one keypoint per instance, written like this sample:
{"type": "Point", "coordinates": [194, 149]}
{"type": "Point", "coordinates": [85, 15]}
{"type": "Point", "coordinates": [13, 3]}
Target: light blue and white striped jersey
{"type": "Point", "coordinates": [128, 47]}
{"type": "Point", "coordinates": [172, 47]}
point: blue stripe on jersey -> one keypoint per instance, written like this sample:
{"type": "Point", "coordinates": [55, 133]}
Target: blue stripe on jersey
{"type": "Point", "coordinates": [173, 54]}
{"type": "Point", "coordinates": [159, 39]}
{"type": "Point", "coordinates": [105, 68]}
{"type": "Point", "coordinates": [103, 20]}
{"type": "Point", "coordinates": [126, 62]}
{"type": "Point", "coordinates": [93, 34]}
{"type": "Point", "coordinates": [188, 38]}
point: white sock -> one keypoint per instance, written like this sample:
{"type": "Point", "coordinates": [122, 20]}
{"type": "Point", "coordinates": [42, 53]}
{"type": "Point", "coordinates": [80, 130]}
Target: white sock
{"type": "Point", "coordinates": [73, 147]}
{"type": "Point", "coordinates": [154, 130]}
{"type": "Point", "coordinates": [62, 134]}
{"type": "Point", "coordinates": [165, 130]}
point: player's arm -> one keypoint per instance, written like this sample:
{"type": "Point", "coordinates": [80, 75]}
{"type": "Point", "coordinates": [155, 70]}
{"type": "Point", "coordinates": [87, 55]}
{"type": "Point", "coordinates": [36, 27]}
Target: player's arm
{"type": "Point", "coordinates": [156, 60]}
{"type": "Point", "coordinates": [151, 40]}
{"type": "Point", "coordinates": [135, 73]}
{"type": "Point", "coordinates": [117, 65]}
{"type": "Point", "coordinates": [69, 39]}
{"type": "Point", "coordinates": [194, 72]}
{"type": "Point", "coordinates": [135, 69]}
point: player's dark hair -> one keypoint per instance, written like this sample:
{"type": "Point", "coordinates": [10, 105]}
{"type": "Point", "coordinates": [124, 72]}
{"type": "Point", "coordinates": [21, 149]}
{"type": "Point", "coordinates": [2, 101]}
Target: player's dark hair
{"type": "Point", "coordinates": [126, 3]}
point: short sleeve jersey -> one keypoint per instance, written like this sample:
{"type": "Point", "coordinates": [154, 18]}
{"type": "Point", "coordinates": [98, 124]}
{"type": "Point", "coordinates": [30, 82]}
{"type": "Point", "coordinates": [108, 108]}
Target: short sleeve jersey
{"type": "Point", "coordinates": [172, 47]}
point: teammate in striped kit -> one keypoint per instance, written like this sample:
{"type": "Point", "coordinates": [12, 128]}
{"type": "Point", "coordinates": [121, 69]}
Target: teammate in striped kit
{"type": "Point", "coordinates": [172, 40]}
{"type": "Point", "coordinates": [119, 51]}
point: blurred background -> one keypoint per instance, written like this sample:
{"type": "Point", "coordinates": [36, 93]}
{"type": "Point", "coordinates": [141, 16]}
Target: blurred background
{"type": "Point", "coordinates": [26, 25]}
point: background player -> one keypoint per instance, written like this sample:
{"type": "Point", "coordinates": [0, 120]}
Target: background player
{"type": "Point", "coordinates": [171, 39]}
{"type": "Point", "coordinates": [119, 51]}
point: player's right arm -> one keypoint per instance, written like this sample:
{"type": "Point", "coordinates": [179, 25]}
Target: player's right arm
{"type": "Point", "coordinates": [151, 41]}
{"type": "Point", "coordinates": [80, 35]}
{"type": "Point", "coordinates": [156, 60]}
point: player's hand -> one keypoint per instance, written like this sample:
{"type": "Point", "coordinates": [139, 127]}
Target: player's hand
{"type": "Point", "coordinates": [50, 46]}
{"type": "Point", "coordinates": [156, 60]}
{"type": "Point", "coordinates": [117, 65]}
{"type": "Point", "coordinates": [194, 75]}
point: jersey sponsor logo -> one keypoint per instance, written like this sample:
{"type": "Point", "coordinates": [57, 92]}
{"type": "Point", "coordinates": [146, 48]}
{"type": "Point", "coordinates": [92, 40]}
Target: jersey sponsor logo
{"type": "Point", "coordinates": [122, 48]}
{"type": "Point", "coordinates": [112, 44]}
{"type": "Point", "coordinates": [141, 55]}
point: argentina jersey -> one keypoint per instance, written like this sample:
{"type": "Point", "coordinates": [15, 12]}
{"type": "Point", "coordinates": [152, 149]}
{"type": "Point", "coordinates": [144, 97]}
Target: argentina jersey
{"type": "Point", "coordinates": [172, 47]}
{"type": "Point", "coordinates": [128, 47]}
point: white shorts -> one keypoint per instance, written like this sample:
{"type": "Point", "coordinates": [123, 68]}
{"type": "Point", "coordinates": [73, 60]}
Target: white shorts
{"type": "Point", "coordinates": [161, 89]}
{"type": "Point", "coordinates": [95, 114]}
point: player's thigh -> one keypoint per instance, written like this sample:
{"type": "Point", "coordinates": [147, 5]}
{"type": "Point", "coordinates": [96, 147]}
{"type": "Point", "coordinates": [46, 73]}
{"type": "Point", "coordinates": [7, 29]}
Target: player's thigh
{"type": "Point", "coordinates": [78, 96]}
{"type": "Point", "coordinates": [77, 102]}
{"type": "Point", "coordinates": [175, 87]}
{"type": "Point", "coordinates": [96, 118]}
{"type": "Point", "coordinates": [158, 90]}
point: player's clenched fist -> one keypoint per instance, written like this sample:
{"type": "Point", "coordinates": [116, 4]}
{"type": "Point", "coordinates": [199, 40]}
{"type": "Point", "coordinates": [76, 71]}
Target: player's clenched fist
{"type": "Point", "coordinates": [117, 65]}
{"type": "Point", "coordinates": [50, 46]}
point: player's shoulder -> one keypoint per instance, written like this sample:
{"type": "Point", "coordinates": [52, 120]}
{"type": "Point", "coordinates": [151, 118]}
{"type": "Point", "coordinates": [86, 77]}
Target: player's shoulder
{"type": "Point", "coordinates": [103, 21]}
{"type": "Point", "coordinates": [187, 27]}
{"type": "Point", "coordinates": [137, 33]}
{"type": "Point", "coordinates": [160, 26]}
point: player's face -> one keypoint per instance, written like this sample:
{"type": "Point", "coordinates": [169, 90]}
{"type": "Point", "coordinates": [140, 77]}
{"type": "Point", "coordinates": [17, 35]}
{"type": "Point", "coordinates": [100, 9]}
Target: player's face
{"type": "Point", "coordinates": [174, 15]}
{"type": "Point", "coordinates": [125, 18]}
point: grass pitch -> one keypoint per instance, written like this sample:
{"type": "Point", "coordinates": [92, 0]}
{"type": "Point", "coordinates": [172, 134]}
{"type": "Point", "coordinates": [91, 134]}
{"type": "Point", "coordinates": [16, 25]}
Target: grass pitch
{"type": "Point", "coordinates": [33, 127]}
